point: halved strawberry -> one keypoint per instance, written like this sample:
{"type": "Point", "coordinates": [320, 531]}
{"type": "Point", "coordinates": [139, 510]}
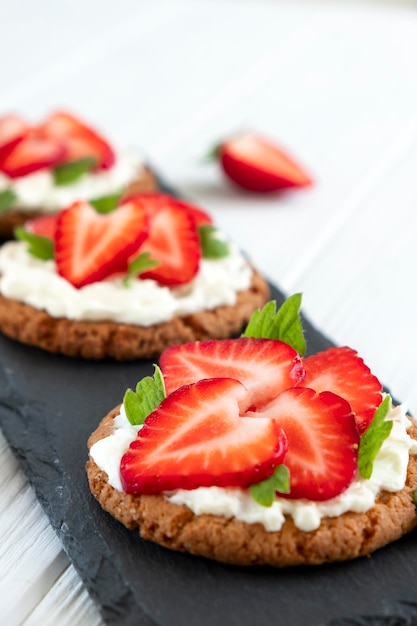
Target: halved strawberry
{"type": "Point", "coordinates": [80, 140]}
{"type": "Point", "coordinates": [323, 441]}
{"type": "Point", "coordinates": [173, 241]}
{"type": "Point", "coordinates": [343, 372]}
{"type": "Point", "coordinates": [255, 163]}
{"type": "Point", "coordinates": [12, 130]}
{"type": "Point", "coordinates": [30, 154]}
{"type": "Point", "coordinates": [43, 226]}
{"type": "Point", "coordinates": [154, 202]}
{"type": "Point", "coordinates": [198, 438]}
{"type": "Point", "coordinates": [265, 366]}
{"type": "Point", "coordinates": [90, 246]}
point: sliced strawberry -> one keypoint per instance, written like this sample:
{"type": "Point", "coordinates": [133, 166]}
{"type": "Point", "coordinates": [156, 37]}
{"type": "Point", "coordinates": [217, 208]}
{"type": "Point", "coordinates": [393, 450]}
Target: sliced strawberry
{"type": "Point", "coordinates": [173, 241]}
{"type": "Point", "coordinates": [257, 164]}
{"type": "Point", "coordinates": [80, 140]}
{"type": "Point", "coordinates": [199, 216]}
{"type": "Point", "coordinates": [343, 372]}
{"type": "Point", "coordinates": [265, 366]}
{"type": "Point", "coordinates": [44, 226]}
{"type": "Point", "coordinates": [30, 154]}
{"type": "Point", "coordinates": [323, 441]}
{"type": "Point", "coordinates": [197, 438]}
{"type": "Point", "coordinates": [12, 130]}
{"type": "Point", "coordinates": [90, 246]}
{"type": "Point", "coordinates": [154, 202]}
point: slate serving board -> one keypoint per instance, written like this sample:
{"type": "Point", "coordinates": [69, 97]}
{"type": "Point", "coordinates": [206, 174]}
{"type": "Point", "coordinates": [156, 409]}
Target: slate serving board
{"type": "Point", "coordinates": [50, 404]}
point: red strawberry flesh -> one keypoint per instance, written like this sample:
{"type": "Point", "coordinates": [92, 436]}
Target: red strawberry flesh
{"type": "Point", "coordinates": [173, 242]}
{"type": "Point", "coordinates": [343, 372]}
{"type": "Point", "coordinates": [31, 154]}
{"type": "Point", "coordinates": [198, 438]}
{"type": "Point", "coordinates": [44, 226]}
{"type": "Point", "coordinates": [12, 130]}
{"type": "Point", "coordinates": [154, 202]}
{"type": "Point", "coordinates": [257, 164]}
{"type": "Point", "coordinates": [90, 246]}
{"type": "Point", "coordinates": [265, 366]}
{"type": "Point", "coordinates": [80, 140]}
{"type": "Point", "coordinates": [323, 441]}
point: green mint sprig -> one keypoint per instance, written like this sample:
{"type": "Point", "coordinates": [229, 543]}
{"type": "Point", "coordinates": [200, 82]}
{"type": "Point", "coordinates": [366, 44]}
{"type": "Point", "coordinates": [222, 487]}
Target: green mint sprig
{"type": "Point", "coordinates": [264, 492]}
{"type": "Point", "coordinates": [39, 247]}
{"type": "Point", "coordinates": [7, 197]}
{"type": "Point", "coordinates": [70, 172]}
{"type": "Point", "coordinates": [149, 393]}
{"type": "Point", "coordinates": [106, 204]}
{"type": "Point", "coordinates": [211, 246]}
{"type": "Point", "coordinates": [415, 496]}
{"type": "Point", "coordinates": [373, 438]}
{"type": "Point", "coordinates": [284, 324]}
{"type": "Point", "coordinates": [140, 264]}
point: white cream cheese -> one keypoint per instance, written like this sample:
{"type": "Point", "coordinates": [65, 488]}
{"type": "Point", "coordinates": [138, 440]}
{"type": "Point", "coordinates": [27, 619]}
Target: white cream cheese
{"type": "Point", "coordinates": [389, 473]}
{"type": "Point", "coordinates": [142, 302]}
{"type": "Point", "coordinates": [38, 191]}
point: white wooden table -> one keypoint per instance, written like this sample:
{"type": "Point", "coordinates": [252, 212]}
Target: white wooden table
{"type": "Point", "coordinates": [335, 82]}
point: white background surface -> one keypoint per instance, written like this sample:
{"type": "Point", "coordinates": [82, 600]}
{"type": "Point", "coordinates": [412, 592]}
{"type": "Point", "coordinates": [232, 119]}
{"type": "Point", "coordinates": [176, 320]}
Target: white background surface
{"type": "Point", "coordinates": [334, 82]}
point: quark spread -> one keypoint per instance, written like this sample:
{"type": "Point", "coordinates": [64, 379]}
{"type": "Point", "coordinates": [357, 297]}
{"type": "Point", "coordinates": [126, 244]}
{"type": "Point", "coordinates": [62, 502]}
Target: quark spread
{"type": "Point", "coordinates": [38, 191]}
{"type": "Point", "coordinates": [143, 302]}
{"type": "Point", "coordinates": [389, 473]}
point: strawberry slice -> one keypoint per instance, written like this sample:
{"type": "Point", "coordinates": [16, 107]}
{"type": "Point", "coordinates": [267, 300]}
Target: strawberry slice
{"type": "Point", "coordinates": [199, 216]}
{"type": "Point", "coordinates": [44, 226]}
{"type": "Point", "coordinates": [12, 130]}
{"type": "Point", "coordinates": [173, 242]}
{"type": "Point", "coordinates": [255, 163]}
{"type": "Point", "coordinates": [265, 366]}
{"type": "Point", "coordinates": [343, 372]}
{"type": "Point", "coordinates": [80, 140]}
{"type": "Point", "coordinates": [323, 441]}
{"type": "Point", "coordinates": [30, 154]}
{"type": "Point", "coordinates": [90, 246]}
{"type": "Point", "coordinates": [198, 438]}
{"type": "Point", "coordinates": [154, 202]}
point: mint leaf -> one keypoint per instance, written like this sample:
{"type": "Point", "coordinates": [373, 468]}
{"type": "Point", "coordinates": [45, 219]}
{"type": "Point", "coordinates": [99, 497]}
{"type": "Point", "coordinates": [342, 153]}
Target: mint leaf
{"type": "Point", "coordinates": [73, 170]}
{"type": "Point", "coordinates": [373, 438]}
{"type": "Point", "coordinates": [140, 264]}
{"type": "Point", "coordinates": [211, 246]}
{"type": "Point", "coordinates": [284, 324]}
{"type": "Point", "coordinates": [106, 204]}
{"type": "Point", "coordinates": [150, 391]}
{"type": "Point", "coordinates": [289, 322]}
{"type": "Point", "coordinates": [264, 492]}
{"type": "Point", "coordinates": [415, 497]}
{"type": "Point", "coordinates": [39, 247]}
{"type": "Point", "coordinates": [262, 323]}
{"type": "Point", "coordinates": [7, 197]}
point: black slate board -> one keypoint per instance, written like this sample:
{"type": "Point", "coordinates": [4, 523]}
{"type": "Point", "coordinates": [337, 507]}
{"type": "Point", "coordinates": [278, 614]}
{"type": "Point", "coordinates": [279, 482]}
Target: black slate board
{"type": "Point", "coordinates": [50, 404]}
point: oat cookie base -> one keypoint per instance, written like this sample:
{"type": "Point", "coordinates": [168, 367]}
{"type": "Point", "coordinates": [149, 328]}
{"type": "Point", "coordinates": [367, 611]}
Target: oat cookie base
{"type": "Point", "coordinates": [9, 220]}
{"type": "Point", "coordinates": [124, 342]}
{"type": "Point", "coordinates": [231, 541]}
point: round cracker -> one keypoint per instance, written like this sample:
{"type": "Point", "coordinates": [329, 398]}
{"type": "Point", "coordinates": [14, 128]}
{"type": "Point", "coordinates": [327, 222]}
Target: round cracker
{"type": "Point", "coordinates": [125, 342]}
{"type": "Point", "coordinates": [232, 541]}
